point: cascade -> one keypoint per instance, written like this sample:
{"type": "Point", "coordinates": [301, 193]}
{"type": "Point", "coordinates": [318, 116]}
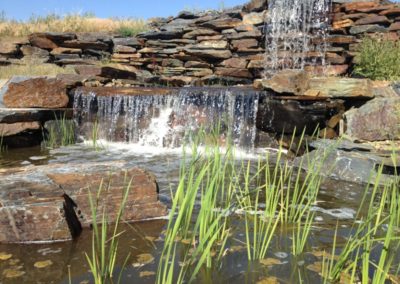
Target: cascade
{"type": "Point", "coordinates": [168, 120]}
{"type": "Point", "coordinates": [296, 33]}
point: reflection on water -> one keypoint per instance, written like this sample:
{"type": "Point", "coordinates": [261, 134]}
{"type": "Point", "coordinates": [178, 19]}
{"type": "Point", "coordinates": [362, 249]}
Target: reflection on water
{"type": "Point", "coordinates": [337, 200]}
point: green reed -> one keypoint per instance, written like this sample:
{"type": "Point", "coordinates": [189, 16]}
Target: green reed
{"type": "Point", "coordinates": [104, 253]}
{"type": "Point", "coordinates": [61, 133]}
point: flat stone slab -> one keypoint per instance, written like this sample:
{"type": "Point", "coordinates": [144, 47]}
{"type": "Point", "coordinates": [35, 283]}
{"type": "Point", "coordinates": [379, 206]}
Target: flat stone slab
{"type": "Point", "coordinates": [14, 115]}
{"type": "Point", "coordinates": [51, 202]}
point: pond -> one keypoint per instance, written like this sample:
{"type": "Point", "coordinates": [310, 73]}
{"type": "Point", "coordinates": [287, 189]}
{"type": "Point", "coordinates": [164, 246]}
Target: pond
{"type": "Point", "coordinates": [142, 246]}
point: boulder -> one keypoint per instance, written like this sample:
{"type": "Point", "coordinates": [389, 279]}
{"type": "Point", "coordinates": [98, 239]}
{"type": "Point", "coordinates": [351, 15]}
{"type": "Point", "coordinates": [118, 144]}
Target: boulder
{"type": "Point", "coordinates": [40, 92]}
{"type": "Point", "coordinates": [287, 81]}
{"type": "Point", "coordinates": [256, 6]}
{"type": "Point", "coordinates": [334, 87]}
{"type": "Point", "coordinates": [51, 202]}
{"type": "Point", "coordinates": [377, 120]}
{"type": "Point", "coordinates": [9, 129]}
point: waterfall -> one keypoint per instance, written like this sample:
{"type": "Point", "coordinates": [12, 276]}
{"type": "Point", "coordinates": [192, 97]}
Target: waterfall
{"type": "Point", "coordinates": [171, 120]}
{"type": "Point", "coordinates": [295, 34]}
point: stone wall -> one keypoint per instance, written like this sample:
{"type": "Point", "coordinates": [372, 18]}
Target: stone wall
{"type": "Point", "coordinates": [206, 48]}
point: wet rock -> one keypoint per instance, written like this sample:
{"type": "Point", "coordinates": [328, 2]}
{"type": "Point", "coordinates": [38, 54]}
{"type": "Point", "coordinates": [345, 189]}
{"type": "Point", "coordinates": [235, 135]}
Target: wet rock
{"type": "Point", "coordinates": [9, 129]}
{"type": "Point", "coordinates": [288, 115]}
{"type": "Point", "coordinates": [223, 81]}
{"type": "Point", "coordinates": [244, 44]}
{"type": "Point", "coordinates": [377, 120]}
{"type": "Point", "coordinates": [51, 203]}
{"type": "Point", "coordinates": [287, 81]}
{"type": "Point", "coordinates": [25, 92]}
{"type": "Point", "coordinates": [119, 71]}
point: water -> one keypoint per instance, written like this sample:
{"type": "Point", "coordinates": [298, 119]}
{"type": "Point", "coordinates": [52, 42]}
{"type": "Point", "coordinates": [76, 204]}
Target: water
{"type": "Point", "coordinates": [295, 34]}
{"type": "Point", "coordinates": [169, 121]}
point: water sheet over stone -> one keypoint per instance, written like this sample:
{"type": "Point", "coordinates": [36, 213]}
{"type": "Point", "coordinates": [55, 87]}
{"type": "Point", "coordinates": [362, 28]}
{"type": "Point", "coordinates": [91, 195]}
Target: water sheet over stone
{"type": "Point", "coordinates": [167, 117]}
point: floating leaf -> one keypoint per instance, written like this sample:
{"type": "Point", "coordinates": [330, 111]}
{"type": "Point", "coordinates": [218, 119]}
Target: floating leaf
{"type": "Point", "coordinates": [12, 273]}
{"type": "Point", "coordinates": [143, 259]}
{"type": "Point", "coordinates": [146, 273]}
{"type": "Point", "coordinates": [43, 264]}
{"type": "Point", "coordinates": [268, 280]}
{"type": "Point", "coordinates": [270, 261]}
{"type": "Point", "coordinates": [316, 267]}
{"type": "Point", "coordinates": [5, 256]}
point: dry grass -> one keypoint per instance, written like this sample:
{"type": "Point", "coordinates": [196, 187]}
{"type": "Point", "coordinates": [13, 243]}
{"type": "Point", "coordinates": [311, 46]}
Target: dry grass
{"type": "Point", "coordinates": [70, 23]}
{"type": "Point", "coordinates": [33, 68]}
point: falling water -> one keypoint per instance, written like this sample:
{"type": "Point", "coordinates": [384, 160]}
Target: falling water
{"type": "Point", "coordinates": [169, 120]}
{"type": "Point", "coordinates": [295, 34]}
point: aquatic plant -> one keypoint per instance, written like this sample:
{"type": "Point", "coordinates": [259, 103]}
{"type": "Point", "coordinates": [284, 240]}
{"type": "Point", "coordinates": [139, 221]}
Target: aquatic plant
{"type": "Point", "coordinates": [60, 133]}
{"type": "Point", "coordinates": [104, 253]}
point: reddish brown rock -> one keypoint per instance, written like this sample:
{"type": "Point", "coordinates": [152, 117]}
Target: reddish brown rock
{"type": "Point", "coordinates": [244, 44]}
{"type": "Point", "coordinates": [88, 70]}
{"type": "Point", "coordinates": [41, 41]}
{"type": "Point", "coordinates": [235, 62]}
{"type": "Point", "coordinates": [8, 129]}
{"type": "Point", "coordinates": [356, 6]}
{"type": "Point", "coordinates": [342, 24]}
{"type": "Point", "coordinates": [391, 12]}
{"type": "Point", "coordinates": [395, 26]}
{"type": "Point", "coordinates": [287, 81]}
{"type": "Point", "coordinates": [233, 72]}
{"type": "Point", "coordinates": [36, 93]}
{"type": "Point", "coordinates": [8, 48]}
{"type": "Point", "coordinates": [65, 50]}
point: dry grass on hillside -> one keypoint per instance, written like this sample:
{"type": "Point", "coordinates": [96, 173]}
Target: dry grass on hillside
{"type": "Point", "coordinates": [70, 23]}
{"type": "Point", "coordinates": [33, 68]}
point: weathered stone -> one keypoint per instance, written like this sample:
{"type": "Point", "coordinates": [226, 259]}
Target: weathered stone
{"type": "Point", "coordinates": [41, 42]}
{"type": "Point", "coordinates": [96, 45]}
{"type": "Point", "coordinates": [199, 32]}
{"type": "Point", "coordinates": [233, 72]}
{"type": "Point", "coordinates": [187, 15]}
{"type": "Point", "coordinates": [209, 53]}
{"type": "Point", "coordinates": [354, 16]}
{"type": "Point", "coordinates": [244, 35]}
{"type": "Point", "coordinates": [49, 40]}
{"type": "Point", "coordinates": [254, 18]}
{"type": "Point", "coordinates": [373, 20]}
{"type": "Point", "coordinates": [223, 81]}
{"type": "Point", "coordinates": [244, 43]}
{"type": "Point", "coordinates": [377, 120]}
{"type": "Point", "coordinates": [356, 6]}
{"type": "Point", "coordinates": [330, 70]}
{"type": "Point", "coordinates": [390, 12]}
{"type": "Point", "coordinates": [342, 24]}
{"type": "Point", "coordinates": [287, 81]}
{"type": "Point", "coordinates": [11, 116]}
{"type": "Point", "coordinates": [9, 129]}
{"type": "Point", "coordinates": [177, 81]}
{"type": "Point", "coordinates": [196, 64]}
{"type": "Point", "coordinates": [76, 61]}
{"type": "Point", "coordinates": [339, 39]}
{"type": "Point", "coordinates": [8, 48]}
{"type": "Point", "coordinates": [162, 35]}
{"type": "Point", "coordinates": [246, 28]}
{"type": "Point", "coordinates": [222, 23]}
{"type": "Point", "coordinates": [169, 62]}
{"type": "Point", "coordinates": [32, 51]}
{"type": "Point", "coordinates": [256, 64]}
{"type": "Point", "coordinates": [215, 37]}
{"type": "Point", "coordinates": [339, 87]}
{"type": "Point", "coordinates": [210, 44]}
{"type": "Point", "coordinates": [256, 6]}
{"type": "Point", "coordinates": [35, 93]}
{"type": "Point", "coordinates": [64, 50]}
{"type": "Point", "coordinates": [286, 116]}
{"type": "Point", "coordinates": [88, 70]}
{"type": "Point", "coordinates": [395, 26]}
{"type": "Point", "coordinates": [124, 49]}
{"type": "Point", "coordinates": [119, 71]}
{"type": "Point", "coordinates": [198, 72]}
{"type": "Point", "coordinates": [367, 29]}
{"type": "Point", "coordinates": [377, 9]}
{"type": "Point", "coordinates": [235, 62]}
{"type": "Point", "coordinates": [54, 205]}
{"type": "Point", "coordinates": [126, 41]}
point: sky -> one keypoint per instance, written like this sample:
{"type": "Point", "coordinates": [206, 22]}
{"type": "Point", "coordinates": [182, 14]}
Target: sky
{"type": "Point", "coordinates": [23, 9]}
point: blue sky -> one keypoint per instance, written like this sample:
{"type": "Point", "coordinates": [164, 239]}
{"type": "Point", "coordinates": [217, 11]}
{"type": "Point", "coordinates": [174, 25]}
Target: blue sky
{"type": "Point", "coordinates": [23, 9]}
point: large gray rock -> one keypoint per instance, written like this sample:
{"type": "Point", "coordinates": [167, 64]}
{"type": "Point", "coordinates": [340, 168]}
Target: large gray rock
{"type": "Point", "coordinates": [377, 120]}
